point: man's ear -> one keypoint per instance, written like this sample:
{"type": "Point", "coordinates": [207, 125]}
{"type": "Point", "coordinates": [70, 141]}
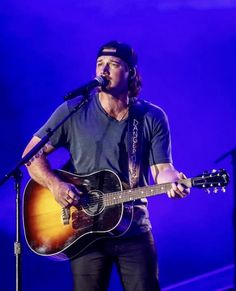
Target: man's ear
{"type": "Point", "coordinates": [132, 73]}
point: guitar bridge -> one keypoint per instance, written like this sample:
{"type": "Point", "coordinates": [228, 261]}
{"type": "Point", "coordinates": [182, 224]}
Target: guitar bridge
{"type": "Point", "coordinates": [65, 215]}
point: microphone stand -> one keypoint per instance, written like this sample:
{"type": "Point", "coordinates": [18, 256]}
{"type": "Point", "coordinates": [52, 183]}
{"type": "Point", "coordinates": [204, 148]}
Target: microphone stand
{"type": "Point", "coordinates": [232, 153]}
{"type": "Point", "coordinates": [16, 173]}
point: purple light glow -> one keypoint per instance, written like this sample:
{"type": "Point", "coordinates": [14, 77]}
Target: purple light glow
{"type": "Point", "coordinates": [187, 60]}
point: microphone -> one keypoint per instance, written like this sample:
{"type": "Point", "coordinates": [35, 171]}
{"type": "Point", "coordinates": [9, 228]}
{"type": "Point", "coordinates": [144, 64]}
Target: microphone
{"type": "Point", "coordinates": [96, 82]}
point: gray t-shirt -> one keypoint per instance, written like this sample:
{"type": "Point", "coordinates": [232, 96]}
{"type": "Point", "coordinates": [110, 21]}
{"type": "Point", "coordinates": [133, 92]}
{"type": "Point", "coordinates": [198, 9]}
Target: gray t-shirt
{"type": "Point", "coordinates": [97, 141]}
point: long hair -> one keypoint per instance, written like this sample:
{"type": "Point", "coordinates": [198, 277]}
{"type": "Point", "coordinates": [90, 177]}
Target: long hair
{"type": "Point", "coordinates": [135, 84]}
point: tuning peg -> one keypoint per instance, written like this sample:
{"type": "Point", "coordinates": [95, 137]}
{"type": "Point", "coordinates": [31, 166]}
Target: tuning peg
{"type": "Point", "coordinates": [205, 173]}
{"type": "Point", "coordinates": [215, 190]}
{"type": "Point", "coordinates": [208, 191]}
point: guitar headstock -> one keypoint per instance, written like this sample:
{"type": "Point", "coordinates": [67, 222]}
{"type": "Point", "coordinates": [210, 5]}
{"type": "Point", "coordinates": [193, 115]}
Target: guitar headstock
{"type": "Point", "coordinates": [214, 179]}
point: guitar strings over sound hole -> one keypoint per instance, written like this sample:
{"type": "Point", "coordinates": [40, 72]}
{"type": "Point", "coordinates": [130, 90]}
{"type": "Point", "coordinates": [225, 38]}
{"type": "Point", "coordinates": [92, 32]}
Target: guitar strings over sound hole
{"type": "Point", "coordinates": [92, 202]}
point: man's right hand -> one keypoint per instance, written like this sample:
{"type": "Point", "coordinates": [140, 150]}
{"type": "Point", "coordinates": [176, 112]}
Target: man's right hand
{"type": "Point", "coordinates": [65, 194]}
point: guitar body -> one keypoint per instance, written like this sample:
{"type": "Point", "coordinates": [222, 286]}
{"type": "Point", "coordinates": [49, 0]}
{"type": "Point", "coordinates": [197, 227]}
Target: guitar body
{"type": "Point", "coordinates": [47, 235]}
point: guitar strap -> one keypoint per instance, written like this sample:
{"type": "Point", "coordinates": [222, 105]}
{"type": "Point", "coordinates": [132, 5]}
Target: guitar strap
{"type": "Point", "coordinates": [135, 137]}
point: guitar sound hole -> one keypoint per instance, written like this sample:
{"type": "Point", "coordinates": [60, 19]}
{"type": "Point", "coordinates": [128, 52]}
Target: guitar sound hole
{"type": "Point", "coordinates": [92, 202]}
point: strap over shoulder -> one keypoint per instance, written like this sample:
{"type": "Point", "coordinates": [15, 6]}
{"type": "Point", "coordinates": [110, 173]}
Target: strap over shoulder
{"type": "Point", "coordinates": [135, 138]}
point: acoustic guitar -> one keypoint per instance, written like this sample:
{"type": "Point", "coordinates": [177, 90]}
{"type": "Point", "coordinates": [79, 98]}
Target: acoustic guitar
{"type": "Point", "coordinates": [105, 210]}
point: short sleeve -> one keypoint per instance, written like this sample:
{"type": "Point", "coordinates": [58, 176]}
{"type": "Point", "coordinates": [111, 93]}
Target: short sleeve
{"type": "Point", "coordinates": [58, 139]}
{"type": "Point", "coordinates": [159, 136]}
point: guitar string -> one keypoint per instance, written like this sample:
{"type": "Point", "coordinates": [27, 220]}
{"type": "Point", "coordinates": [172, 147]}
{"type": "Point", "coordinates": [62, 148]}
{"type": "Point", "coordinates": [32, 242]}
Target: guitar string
{"type": "Point", "coordinates": [93, 201]}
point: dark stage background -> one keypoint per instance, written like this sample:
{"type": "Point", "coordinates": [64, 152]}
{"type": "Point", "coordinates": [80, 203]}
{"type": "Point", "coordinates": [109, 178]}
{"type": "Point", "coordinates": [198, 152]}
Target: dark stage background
{"type": "Point", "coordinates": [187, 59]}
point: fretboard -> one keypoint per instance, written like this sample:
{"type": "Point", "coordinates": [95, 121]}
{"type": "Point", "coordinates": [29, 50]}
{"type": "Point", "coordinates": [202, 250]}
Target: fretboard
{"type": "Point", "coordinates": [115, 198]}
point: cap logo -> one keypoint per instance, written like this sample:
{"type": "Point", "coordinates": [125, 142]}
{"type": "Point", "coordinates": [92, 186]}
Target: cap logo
{"type": "Point", "coordinates": [109, 50]}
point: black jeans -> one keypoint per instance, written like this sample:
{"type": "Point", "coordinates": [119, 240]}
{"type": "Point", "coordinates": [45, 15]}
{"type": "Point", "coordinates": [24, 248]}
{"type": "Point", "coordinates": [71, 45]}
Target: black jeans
{"type": "Point", "coordinates": [135, 258]}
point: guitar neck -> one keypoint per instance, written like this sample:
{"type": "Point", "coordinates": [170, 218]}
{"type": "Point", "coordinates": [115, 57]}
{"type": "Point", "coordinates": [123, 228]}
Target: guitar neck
{"type": "Point", "coordinates": [115, 198]}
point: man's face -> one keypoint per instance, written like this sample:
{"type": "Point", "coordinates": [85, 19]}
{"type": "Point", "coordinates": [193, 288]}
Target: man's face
{"type": "Point", "coordinates": [116, 72]}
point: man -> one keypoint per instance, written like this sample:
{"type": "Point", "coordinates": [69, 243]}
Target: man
{"type": "Point", "coordinates": [96, 137]}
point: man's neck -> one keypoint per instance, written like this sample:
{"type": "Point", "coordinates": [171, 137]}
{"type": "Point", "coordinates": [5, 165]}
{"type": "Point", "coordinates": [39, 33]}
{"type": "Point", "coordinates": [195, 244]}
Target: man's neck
{"type": "Point", "coordinates": [115, 106]}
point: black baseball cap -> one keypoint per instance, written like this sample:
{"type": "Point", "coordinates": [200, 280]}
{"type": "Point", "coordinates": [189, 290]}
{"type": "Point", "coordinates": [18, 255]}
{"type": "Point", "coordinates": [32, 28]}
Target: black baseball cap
{"type": "Point", "coordinates": [120, 50]}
